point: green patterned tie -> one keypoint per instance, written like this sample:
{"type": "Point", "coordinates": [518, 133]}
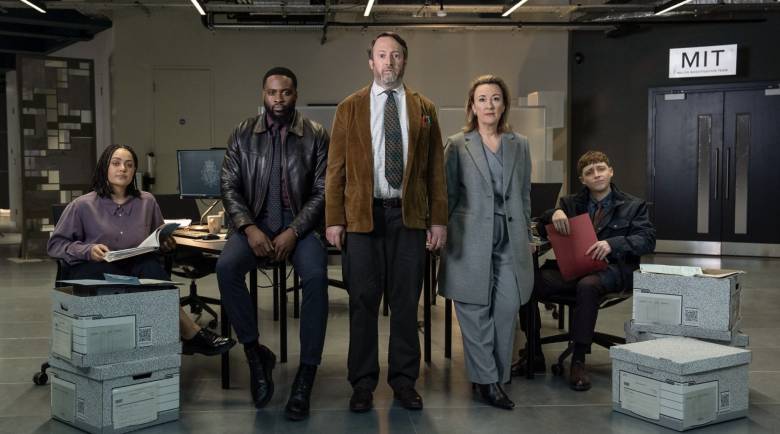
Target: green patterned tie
{"type": "Point", "coordinates": [394, 151]}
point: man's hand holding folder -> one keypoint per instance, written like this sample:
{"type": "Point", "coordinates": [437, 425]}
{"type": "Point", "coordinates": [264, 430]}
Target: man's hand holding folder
{"type": "Point", "coordinates": [576, 247]}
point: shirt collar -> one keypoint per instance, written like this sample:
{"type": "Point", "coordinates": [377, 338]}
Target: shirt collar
{"type": "Point", "coordinates": [377, 90]}
{"type": "Point", "coordinates": [606, 202]}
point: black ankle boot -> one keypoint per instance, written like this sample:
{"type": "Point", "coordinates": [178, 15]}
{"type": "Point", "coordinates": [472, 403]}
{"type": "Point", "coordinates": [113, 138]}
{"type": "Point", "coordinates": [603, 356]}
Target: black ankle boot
{"type": "Point", "coordinates": [261, 362]}
{"type": "Point", "coordinates": [494, 395]}
{"type": "Point", "coordinates": [298, 405]}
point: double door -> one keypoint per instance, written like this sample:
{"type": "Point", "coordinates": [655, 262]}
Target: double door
{"type": "Point", "coordinates": [714, 169]}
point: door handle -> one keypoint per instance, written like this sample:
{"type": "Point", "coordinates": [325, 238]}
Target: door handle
{"type": "Point", "coordinates": [728, 174]}
{"type": "Point", "coordinates": [717, 172]}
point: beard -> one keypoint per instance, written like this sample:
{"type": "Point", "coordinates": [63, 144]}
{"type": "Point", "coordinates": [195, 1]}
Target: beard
{"type": "Point", "coordinates": [390, 78]}
{"type": "Point", "coordinates": [282, 117]}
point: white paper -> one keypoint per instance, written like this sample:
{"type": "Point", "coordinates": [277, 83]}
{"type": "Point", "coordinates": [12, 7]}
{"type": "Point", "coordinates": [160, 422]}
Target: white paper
{"type": "Point", "coordinates": [676, 270]}
{"type": "Point", "coordinates": [104, 335]}
{"type": "Point", "coordinates": [694, 404]}
{"type": "Point", "coordinates": [63, 399]}
{"type": "Point", "coordinates": [134, 405]}
{"type": "Point", "coordinates": [183, 223]}
{"type": "Point", "coordinates": [62, 335]}
{"type": "Point", "coordinates": [652, 308]}
{"type": "Point", "coordinates": [150, 244]}
{"type": "Point", "coordinates": [640, 395]}
{"type": "Point", "coordinates": [168, 393]}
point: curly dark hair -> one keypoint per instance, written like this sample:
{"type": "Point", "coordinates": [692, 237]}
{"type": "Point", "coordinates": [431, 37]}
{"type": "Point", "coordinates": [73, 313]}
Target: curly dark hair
{"type": "Point", "coordinates": [100, 178]}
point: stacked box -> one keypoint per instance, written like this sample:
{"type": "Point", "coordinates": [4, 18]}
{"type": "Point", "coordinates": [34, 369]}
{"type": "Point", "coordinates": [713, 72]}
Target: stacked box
{"type": "Point", "coordinates": [699, 307]}
{"type": "Point", "coordinates": [635, 333]}
{"type": "Point", "coordinates": [115, 356]}
{"type": "Point", "coordinates": [680, 383]}
{"type": "Point", "coordinates": [116, 398]}
{"type": "Point", "coordinates": [109, 328]}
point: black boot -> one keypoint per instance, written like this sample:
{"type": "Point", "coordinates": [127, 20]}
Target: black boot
{"type": "Point", "coordinates": [298, 405]}
{"type": "Point", "coordinates": [494, 395]}
{"type": "Point", "coordinates": [261, 362]}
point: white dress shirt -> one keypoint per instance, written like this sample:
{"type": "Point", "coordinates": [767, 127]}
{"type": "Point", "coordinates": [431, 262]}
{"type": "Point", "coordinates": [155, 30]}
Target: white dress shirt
{"type": "Point", "coordinates": [378, 99]}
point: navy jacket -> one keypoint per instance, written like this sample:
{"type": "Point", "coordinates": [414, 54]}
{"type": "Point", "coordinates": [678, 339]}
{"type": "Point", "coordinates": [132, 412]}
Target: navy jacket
{"type": "Point", "coordinates": [626, 227]}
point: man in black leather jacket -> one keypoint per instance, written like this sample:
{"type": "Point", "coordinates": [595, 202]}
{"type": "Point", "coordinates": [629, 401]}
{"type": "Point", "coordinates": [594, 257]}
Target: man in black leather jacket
{"type": "Point", "coordinates": [625, 233]}
{"type": "Point", "coordinates": [273, 191]}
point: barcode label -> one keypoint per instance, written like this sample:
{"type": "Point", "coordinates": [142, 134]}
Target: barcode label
{"type": "Point", "coordinates": [80, 406]}
{"type": "Point", "coordinates": [725, 401]}
{"type": "Point", "coordinates": [144, 336]}
{"type": "Point", "coordinates": [690, 316]}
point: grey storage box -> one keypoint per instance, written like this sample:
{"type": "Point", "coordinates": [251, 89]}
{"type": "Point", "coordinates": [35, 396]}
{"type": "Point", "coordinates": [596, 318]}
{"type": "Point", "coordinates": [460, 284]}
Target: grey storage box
{"type": "Point", "coordinates": [641, 333]}
{"type": "Point", "coordinates": [699, 307]}
{"type": "Point", "coordinates": [113, 325]}
{"type": "Point", "coordinates": [116, 398]}
{"type": "Point", "coordinates": [680, 383]}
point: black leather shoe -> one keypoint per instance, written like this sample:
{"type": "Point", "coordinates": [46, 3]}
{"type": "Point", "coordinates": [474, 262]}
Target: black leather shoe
{"type": "Point", "coordinates": [519, 368]}
{"type": "Point", "coordinates": [579, 379]}
{"type": "Point", "coordinates": [362, 400]}
{"type": "Point", "coordinates": [409, 398]}
{"type": "Point", "coordinates": [261, 362]}
{"type": "Point", "coordinates": [494, 395]}
{"type": "Point", "coordinates": [207, 343]}
{"type": "Point", "coordinates": [297, 407]}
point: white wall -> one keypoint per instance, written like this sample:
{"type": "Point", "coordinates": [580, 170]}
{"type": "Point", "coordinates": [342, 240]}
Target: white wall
{"type": "Point", "coordinates": [441, 64]}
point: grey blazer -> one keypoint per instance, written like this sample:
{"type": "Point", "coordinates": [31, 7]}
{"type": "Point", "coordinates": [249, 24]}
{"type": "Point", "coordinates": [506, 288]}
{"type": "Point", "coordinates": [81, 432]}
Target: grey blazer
{"type": "Point", "coordinates": [465, 271]}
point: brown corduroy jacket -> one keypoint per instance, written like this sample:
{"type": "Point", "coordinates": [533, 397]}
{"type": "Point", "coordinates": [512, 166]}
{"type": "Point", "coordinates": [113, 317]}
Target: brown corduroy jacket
{"type": "Point", "coordinates": [349, 182]}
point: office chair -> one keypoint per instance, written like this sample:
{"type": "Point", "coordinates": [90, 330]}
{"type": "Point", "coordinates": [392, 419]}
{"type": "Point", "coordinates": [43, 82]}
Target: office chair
{"type": "Point", "coordinates": [186, 263]}
{"type": "Point", "coordinates": [569, 300]}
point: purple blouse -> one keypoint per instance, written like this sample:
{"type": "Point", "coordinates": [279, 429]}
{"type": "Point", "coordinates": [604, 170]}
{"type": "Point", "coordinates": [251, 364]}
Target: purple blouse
{"type": "Point", "coordinates": [91, 219]}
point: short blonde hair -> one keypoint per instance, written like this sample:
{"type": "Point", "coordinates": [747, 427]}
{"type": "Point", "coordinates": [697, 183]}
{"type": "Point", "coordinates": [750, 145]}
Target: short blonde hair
{"type": "Point", "coordinates": [471, 118]}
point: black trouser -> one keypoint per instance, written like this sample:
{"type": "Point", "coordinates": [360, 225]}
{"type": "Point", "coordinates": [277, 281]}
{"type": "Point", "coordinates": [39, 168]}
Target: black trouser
{"type": "Point", "coordinates": [588, 291]}
{"type": "Point", "coordinates": [310, 260]}
{"type": "Point", "coordinates": [146, 266]}
{"type": "Point", "coordinates": [390, 256]}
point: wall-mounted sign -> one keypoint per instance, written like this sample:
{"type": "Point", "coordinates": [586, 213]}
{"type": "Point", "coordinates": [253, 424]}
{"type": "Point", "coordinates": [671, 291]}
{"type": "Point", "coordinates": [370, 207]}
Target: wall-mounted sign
{"type": "Point", "coordinates": [703, 61]}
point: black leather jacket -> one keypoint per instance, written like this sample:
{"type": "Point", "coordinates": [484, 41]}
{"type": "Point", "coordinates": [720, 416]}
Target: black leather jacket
{"type": "Point", "coordinates": [627, 229]}
{"type": "Point", "coordinates": [246, 170]}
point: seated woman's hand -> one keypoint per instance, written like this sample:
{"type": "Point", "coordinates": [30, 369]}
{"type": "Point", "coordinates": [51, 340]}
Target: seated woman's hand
{"type": "Point", "coordinates": [98, 252]}
{"type": "Point", "coordinates": [168, 244]}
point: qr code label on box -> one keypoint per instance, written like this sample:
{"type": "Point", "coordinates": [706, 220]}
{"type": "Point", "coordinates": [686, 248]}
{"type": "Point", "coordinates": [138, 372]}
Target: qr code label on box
{"type": "Point", "coordinates": [690, 316]}
{"type": "Point", "coordinates": [724, 403]}
{"type": "Point", "coordinates": [144, 336]}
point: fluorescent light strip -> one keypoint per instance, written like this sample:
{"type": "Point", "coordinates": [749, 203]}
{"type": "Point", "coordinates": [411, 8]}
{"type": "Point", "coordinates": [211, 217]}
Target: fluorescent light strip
{"type": "Point", "coordinates": [197, 6]}
{"type": "Point", "coordinates": [369, 5]}
{"type": "Point", "coordinates": [673, 7]}
{"type": "Point", "coordinates": [34, 6]}
{"type": "Point", "coordinates": [513, 8]}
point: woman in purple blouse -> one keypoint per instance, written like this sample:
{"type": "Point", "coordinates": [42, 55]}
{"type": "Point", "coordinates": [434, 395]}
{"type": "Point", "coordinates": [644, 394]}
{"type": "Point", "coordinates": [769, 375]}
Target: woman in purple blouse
{"type": "Point", "coordinates": [117, 215]}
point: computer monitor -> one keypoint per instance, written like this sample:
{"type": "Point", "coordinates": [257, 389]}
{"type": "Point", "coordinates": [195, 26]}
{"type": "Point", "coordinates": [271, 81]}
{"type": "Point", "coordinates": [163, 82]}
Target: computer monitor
{"type": "Point", "coordinates": [544, 196]}
{"type": "Point", "coordinates": [199, 173]}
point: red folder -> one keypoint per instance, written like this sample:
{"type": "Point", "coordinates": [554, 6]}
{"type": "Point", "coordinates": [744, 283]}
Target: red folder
{"type": "Point", "coordinates": [570, 249]}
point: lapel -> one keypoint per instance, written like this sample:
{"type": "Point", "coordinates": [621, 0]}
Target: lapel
{"type": "Point", "coordinates": [363, 123]}
{"type": "Point", "coordinates": [414, 112]}
{"type": "Point", "coordinates": [474, 148]}
{"type": "Point", "coordinates": [509, 143]}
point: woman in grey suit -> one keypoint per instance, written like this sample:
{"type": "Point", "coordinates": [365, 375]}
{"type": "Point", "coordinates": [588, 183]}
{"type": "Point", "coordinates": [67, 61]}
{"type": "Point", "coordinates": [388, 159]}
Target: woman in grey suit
{"type": "Point", "coordinates": [486, 267]}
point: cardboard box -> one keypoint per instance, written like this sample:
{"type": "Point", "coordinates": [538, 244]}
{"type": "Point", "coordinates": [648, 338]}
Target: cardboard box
{"type": "Point", "coordinates": [680, 383]}
{"type": "Point", "coordinates": [695, 306]}
{"type": "Point", "coordinates": [116, 398]}
{"type": "Point", "coordinates": [94, 330]}
{"type": "Point", "coordinates": [636, 333]}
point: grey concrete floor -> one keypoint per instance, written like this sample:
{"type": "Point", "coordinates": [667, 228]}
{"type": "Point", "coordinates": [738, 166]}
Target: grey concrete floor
{"type": "Point", "coordinates": [545, 405]}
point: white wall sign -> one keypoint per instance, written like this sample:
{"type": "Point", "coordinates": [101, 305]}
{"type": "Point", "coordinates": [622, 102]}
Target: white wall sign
{"type": "Point", "coordinates": [703, 61]}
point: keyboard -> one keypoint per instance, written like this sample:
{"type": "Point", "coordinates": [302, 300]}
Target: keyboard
{"type": "Point", "coordinates": [189, 233]}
